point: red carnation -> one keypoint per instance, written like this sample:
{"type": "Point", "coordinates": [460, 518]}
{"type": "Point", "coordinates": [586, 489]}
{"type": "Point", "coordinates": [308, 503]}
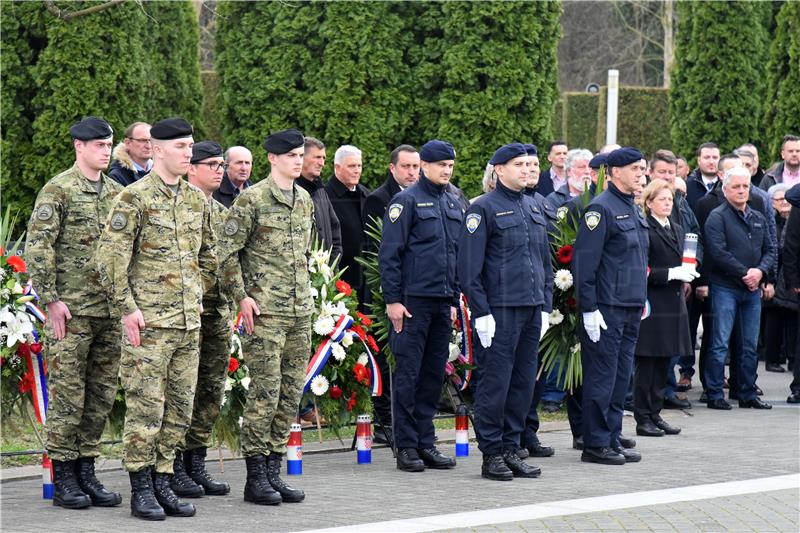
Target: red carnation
{"type": "Point", "coordinates": [372, 344]}
{"type": "Point", "coordinates": [360, 372]}
{"type": "Point", "coordinates": [351, 403]}
{"type": "Point", "coordinates": [26, 383]}
{"type": "Point", "coordinates": [364, 318]}
{"type": "Point", "coordinates": [335, 391]}
{"type": "Point", "coordinates": [233, 364]}
{"type": "Point", "coordinates": [17, 263]}
{"type": "Point", "coordinates": [571, 302]}
{"type": "Point", "coordinates": [358, 330]}
{"type": "Point", "coordinates": [344, 287]}
{"type": "Point", "coordinates": [564, 254]}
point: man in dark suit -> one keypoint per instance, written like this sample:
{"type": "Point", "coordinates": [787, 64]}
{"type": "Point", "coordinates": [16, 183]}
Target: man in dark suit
{"type": "Point", "coordinates": [702, 180]}
{"type": "Point", "coordinates": [555, 177]}
{"type": "Point", "coordinates": [403, 172]}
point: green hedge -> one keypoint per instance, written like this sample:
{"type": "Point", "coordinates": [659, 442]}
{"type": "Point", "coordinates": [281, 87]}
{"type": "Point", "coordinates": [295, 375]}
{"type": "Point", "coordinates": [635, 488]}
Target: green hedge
{"type": "Point", "coordinates": [210, 110]}
{"type": "Point", "coordinates": [642, 121]}
{"type": "Point", "coordinates": [783, 77]}
{"type": "Point", "coordinates": [581, 116]}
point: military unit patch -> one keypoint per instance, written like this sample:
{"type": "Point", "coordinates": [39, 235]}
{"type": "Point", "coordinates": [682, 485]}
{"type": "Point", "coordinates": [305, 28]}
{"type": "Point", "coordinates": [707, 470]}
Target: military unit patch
{"type": "Point", "coordinates": [592, 219]}
{"type": "Point", "coordinates": [119, 221]}
{"type": "Point", "coordinates": [231, 227]}
{"type": "Point", "coordinates": [394, 212]}
{"type": "Point", "coordinates": [45, 212]}
{"type": "Point", "coordinates": [472, 222]}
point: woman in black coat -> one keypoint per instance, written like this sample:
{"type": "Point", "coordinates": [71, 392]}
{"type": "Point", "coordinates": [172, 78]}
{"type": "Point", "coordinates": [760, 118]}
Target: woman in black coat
{"type": "Point", "coordinates": [664, 332]}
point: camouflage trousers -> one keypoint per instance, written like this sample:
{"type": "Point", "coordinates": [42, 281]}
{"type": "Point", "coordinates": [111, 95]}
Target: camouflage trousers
{"type": "Point", "coordinates": [215, 348]}
{"type": "Point", "coordinates": [159, 377]}
{"type": "Point", "coordinates": [276, 354]}
{"type": "Point", "coordinates": [82, 384]}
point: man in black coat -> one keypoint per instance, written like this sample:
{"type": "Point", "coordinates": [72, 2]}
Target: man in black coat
{"type": "Point", "coordinates": [239, 161]}
{"type": "Point", "coordinates": [132, 159]}
{"type": "Point", "coordinates": [701, 181]}
{"type": "Point", "coordinates": [791, 272]}
{"type": "Point", "coordinates": [325, 219]}
{"type": "Point", "coordinates": [403, 172]}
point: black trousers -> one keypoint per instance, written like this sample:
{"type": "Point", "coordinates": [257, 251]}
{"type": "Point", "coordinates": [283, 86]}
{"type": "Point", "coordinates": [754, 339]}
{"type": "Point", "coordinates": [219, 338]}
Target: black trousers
{"type": "Point", "coordinates": [780, 330]}
{"type": "Point", "coordinates": [649, 379]}
{"type": "Point", "coordinates": [795, 386]}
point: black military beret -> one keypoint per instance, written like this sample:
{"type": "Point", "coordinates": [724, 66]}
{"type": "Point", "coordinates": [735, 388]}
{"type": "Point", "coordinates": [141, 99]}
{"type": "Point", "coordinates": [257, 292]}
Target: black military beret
{"type": "Point", "coordinates": [598, 161]}
{"type": "Point", "coordinates": [171, 128]}
{"type": "Point", "coordinates": [204, 150]}
{"type": "Point", "coordinates": [437, 150]}
{"type": "Point", "coordinates": [91, 128]}
{"type": "Point", "coordinates": [284, 141]}
{"type": "Point", "coordinates": [623, 156]}
{"type": "Point", "coordinates": [531, 149]}
{"type": "Point", "coordinates": [506, 153]}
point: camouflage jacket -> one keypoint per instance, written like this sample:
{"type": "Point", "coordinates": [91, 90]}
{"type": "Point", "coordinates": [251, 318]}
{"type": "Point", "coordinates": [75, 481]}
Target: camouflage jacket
{"type": "Point", "coordinates": [158, 252]}
{"type": "Point", "coordinates": [265, 248]}
{"type": "Point", "coordinates": [213, 303]}
{"type": "Point", "coordinates": [63, 231]}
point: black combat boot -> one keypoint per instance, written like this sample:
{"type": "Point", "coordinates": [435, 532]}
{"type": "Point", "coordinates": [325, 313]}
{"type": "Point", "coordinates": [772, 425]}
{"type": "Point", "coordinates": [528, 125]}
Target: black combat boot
{"type": "Point", "coordinates": [519, 467]}
{"type": "Point", "coordinates": [257, 489]}
{"type": "Point", "coordinates": [143, 500]}
{"type": "Point", "coordinates": [67, 492]}
{"type": "Point", "coordinates": [181, 484]}
{"type": "Point", "coordinates": [494, 467]}
{"type": "Point", "coordinates": [91, 486]}
{"type": "Point", "coordinates": [167, 498]}
{"type": "Point", "coordinates": [195, 461]}
{"type": "Point", "coordinates": [288, 494]}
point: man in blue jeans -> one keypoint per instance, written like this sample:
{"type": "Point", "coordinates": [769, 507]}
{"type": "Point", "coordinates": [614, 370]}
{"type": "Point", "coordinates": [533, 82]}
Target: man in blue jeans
{"type": "Point", "coordinates": [741, 254]}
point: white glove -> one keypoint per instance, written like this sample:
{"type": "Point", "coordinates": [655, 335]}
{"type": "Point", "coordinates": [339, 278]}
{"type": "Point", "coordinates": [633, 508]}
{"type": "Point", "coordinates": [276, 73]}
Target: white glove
{"type": "Point", "coordinates": [545, 323]}
{"type": "Point", "coordinates": [485, 326]}
{"type": "Point", "coordinates": [592, 322]}
{"type": "Point", "coordinates": [683, 273]}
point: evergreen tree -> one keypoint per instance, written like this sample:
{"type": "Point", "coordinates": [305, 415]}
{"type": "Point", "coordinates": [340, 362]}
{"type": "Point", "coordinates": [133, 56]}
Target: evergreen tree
{"type": "Point", "coordinates": [783, 79]}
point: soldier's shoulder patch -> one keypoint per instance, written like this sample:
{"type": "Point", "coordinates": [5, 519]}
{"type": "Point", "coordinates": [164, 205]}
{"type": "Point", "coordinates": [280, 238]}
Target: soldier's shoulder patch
{"type": "Point", "coordinates": [45, 212]}
{"type": "Point", "coordinates": [472, 222]}
{"type": "Point", "coordinates": [562, 212]}
{"type": "Point", "coordinates": [231, 227]}
{"type": "Point", "coordinates": [394, 212]}
{"type": "Point", "coordinates": [592, 219]}
{"type": "Point", "coordinates": [119, 221]}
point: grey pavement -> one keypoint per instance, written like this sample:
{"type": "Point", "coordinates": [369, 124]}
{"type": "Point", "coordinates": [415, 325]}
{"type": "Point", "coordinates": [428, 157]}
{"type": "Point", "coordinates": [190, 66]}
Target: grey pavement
{"type": "Point", "coordinates": [714, 447]}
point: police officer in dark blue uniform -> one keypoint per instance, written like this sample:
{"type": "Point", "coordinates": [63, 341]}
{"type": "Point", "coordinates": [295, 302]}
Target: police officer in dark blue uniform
{"type": "Point", "coordinates": [418, 277]}
{"type": "Point", "coordinates": [610, 269]}
{"type": "Point", "coordinates": [504, 270]}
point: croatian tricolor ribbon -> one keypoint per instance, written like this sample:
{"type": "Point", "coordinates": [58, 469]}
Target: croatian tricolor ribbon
{"type": "Point", "coordinates": [30, 307]}
{"type": "Point", "coordinates": [325, 349]}
{"type": "Point", "coordinates": [35, 362]}
{"type": "Point", "coordinates": [466, 340]}
{"type": "Point", "coordinates": [377, 382]}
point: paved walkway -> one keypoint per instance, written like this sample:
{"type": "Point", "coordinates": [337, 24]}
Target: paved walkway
{"type": "Point", "coordinates": [727, 471]}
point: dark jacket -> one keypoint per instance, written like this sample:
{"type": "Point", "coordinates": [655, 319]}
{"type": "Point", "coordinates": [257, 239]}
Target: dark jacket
{"type": "Point", "coordinates": [665, 332]}
{"type": "Point", "coordinates": [735, 243]}
{"type": "Point", "coordinates": [791, 250]}
{"type": "Point", "coordinates": [462, 198]}
{"type": "Point", "coordinates": [756, 178]}
{"type": "Point", "coordinates": [559, 197]}
{"type": "Point", "coordinates": [325, 218]}
{"type": "Point", "coordinates": [349, 209]}
{"type": "Point", "coordinates": [696, 189]}
{"type": "Point", "coordinates": [545, 185]}
{"type": "Point", "coordinates": [772, 176]}
{"type": "Point", "coordinates": [793, 196]}
{"type": "Point", "coordinates": [784, 296]}
{"type": "Point", "coordinates": [122, 170]}
{"type": "Point", "coordinates": [376, 202]}
{"type": "Point", "coordinates": [227, 193]}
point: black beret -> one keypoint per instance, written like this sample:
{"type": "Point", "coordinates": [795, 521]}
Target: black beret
{"type": "Point", "coordinates": [284, 141]}
{"type": "Point", "coordinates": [531, 149]}
{"type": "Point", "coordinates": [623, 157]}
{"type": "Point", "coordinates": [598, 161]}
{"type": "Point", "coordinates": [204, 150]}
{"type": "Point", "coordinates": [437, 150]}
{"type": "Point", "coordinates": [91, 128]}
{"type": "Point", "coordinates": [506, 153]}
{"type": "Point", "coordinates": [171, 128]}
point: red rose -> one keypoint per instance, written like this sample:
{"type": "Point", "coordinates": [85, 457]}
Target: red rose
{"type": "Point", "coordinates": [571, 302]}
{"type": "Point", "coordinates": [335, 391]}
{"type": "Point", "coordinates": [233, 364]}
{"type": "Point", "coordinates": [564, 254]}
{"type": "Point", "coordinates": [364, 318]}
{"type": "Point", "coordinates": [360, 372]}
{"type": "Point", "coordinates": [372, 344]}
{"type": "Point", "coordinates": [358, 330]}
{"type": "Point", "coordinates": [17, 263]}
{"type": "Point", "coordinates": [343, 287]}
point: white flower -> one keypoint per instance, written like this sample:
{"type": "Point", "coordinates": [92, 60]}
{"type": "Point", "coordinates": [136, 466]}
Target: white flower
{"type": "Point", "coordinates": [229, 384]}
{"type": "Point", "coordinates": [327, 273]}
{"type": "Point", "coordinates": [324, 325]}
{"type": "Point", "coordinates": [576, 348]}
{"type": "Point", "coordinates": [17, 288]}
{"type": "Point", "coordinates": [17, 327]}
{"type": "Point", "coordinates": [327, 309]}
{"type": "Point", "coordinates": [341, 309]}
{"type": "Point", "coordinates": [2, 274]}
{"type": "Point", "coordinates": [245, 383]}
{"type": "Point", "coordinates": [455, 351]}
{"type": "Point", "coordinates": [324, 292]}
{"type": "Point", "coordinates": [236, 344]}
{"type": "Point", "coordinates": [321, 257]}
{"type": "Point", "coordinates": [363, 359]}
{"type": "Point", "coordinates": [312, 267]}
{"type": "Point", "coordinates": [347, 339]}
{"type": "Point", "coordinates": [556, 317]}
{"type": "Point", "coordinates": [563, 279]}
{"type": "Point", "coordinates": [241, 421]}
{"type": "Point", "coordinates": [338, 352]}
{"type": "Point", "coordinates": [314, 293]}
{"type": "Point", "coordinates": [319, 385]}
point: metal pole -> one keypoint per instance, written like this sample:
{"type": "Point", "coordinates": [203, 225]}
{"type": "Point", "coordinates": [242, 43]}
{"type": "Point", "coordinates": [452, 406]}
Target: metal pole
{"type": "Point", "coordinates": [612, 107]}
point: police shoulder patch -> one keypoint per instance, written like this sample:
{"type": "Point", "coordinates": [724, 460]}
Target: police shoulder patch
{"type": "Point", "coordinates": [45, 212]}
{"type": "Point", "coordinates": [119, 221]}
{"type": "Point", "coordinates": [562, 212]}
{"type": "Point", "coordinates": [231, 227]}
{"type": "Point", "coordinates": [592, 219]}
{"type": "Point", "coordinates": [394, 212]}
{"type": "Point", "coordinates": [472, 222]}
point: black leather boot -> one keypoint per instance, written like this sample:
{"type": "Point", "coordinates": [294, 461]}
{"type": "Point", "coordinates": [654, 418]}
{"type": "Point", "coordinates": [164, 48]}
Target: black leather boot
{"type": "Point", "coordinates": [195, 461]}
{"type": "Point", "coordinates": [167, 498]}
{"type": "Point", "coordinates": [494, 467]}
{"type": "Point", "coordinates": [67, 492]}
{"type": "Point", "coordinates": [257, 489]}
{"type": "Point", "coordinates": [181, 484]}
{"type": "Point", "coordinates": [519, 467]}
{"type": "Point", "coordinates": [288, 494]}
{"type": "Point", "coordinates": [91, 486]}
{"type": "Point", "coordinates": [143, 500]}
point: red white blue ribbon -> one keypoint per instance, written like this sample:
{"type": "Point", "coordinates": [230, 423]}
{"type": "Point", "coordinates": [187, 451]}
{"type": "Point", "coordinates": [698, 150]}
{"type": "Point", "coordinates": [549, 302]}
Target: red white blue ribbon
{"type": "Point", "coordinates": [35, 362]}
{"type": "Point", "coordinates": [31, 307]}
{"type": "Point", "coordinates": [377, 383]}
{"type": "Point", "coordinates": [325, 349]}
{"type": "Point", "coordinates": [466, 341]}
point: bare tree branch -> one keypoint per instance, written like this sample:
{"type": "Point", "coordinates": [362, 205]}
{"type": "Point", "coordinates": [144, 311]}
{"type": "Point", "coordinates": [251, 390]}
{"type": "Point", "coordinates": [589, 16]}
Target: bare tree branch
{"type": "Point", "coordinates": [69, 15]}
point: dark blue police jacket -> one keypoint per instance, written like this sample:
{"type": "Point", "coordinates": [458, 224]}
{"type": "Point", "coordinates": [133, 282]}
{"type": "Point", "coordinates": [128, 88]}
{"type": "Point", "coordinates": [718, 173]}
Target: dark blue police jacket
{"type": "Point", "coordinates": [418, 248]}
{"type": "Point", "coordinates": [610, 258]}
{"type": "Point", "coordinates": [503, 253]}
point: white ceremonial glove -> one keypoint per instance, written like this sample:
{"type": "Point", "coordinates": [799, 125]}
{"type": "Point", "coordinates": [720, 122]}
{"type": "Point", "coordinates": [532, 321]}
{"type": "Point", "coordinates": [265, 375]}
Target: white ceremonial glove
{"type": "Point", "coordinates": [592, 323]}
{"type": "Point", "coordinates": [683, 273]}
{"type": "Point", "coordinates": [485, 326]}
{"type": "Point", "coordinates": [545, 323]}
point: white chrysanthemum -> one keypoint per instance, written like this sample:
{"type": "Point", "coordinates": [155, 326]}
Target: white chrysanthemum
{"type": "Point", "coordinates": [556, 317]}
{"type": "Point", "coordinates": [563, 279]}
{"type": "Point", "coordinates": [245, 383]}
{"type": "Point", "coordinates": [455, 351]}
{"type": "Point", "coordinates": [324, 325]}
{"type": "Point", "coordinates": [363, 359]}
{"type": "Point", "coordinates": [319, 385]}
{"type": "Point", "coordinates": [347, 339]}
{"type": "Point", "coordinates": [338, 352]}
{"type": "Point", "coordinates": [314, 293]}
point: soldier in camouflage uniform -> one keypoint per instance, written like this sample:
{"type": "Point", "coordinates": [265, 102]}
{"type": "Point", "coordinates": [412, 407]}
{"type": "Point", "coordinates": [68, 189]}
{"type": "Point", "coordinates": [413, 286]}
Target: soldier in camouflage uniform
{"type": "Point", "coordinates": [190, 479]}
{"type": "Point", "coordinates": [264, 253]}
{"type": "Point", "coordinates": [83, 348]}
{"type": "Point", "coordinates": [154, 257]}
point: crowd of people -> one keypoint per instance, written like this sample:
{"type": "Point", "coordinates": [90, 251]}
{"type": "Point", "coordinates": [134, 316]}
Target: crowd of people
{"type": "Point", "coordinates": [142, 272]}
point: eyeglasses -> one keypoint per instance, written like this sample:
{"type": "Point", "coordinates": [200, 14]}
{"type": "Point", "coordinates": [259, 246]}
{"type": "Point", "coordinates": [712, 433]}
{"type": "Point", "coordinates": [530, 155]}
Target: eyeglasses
{"type": "Point", "coordinates": [216, 167]}
{"type": "Point", "coordinates": [143, 141]}
{"type": "Point", "coordinates": [781, 200]}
